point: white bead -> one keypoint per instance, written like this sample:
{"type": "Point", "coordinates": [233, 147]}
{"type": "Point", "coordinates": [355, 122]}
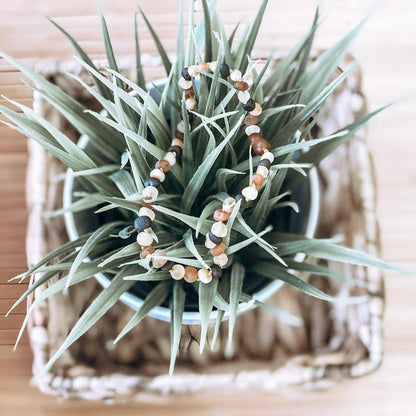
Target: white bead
{"type": "Point", "coordinates": [181, 126]}
{"type": "Point", "coordinates": [221, 260]}
{"type": "Point", "coordinates": [183, 83]}
{"type": "Point", "coordinates": [235, 75]}
{"type": "Point", "coordinates": [257, 110]}
{"type": "Point", "coordinates": [212, 66]}
{"type": "Point", "coordinates": [177, 272]}
{"type": "Point", "coordinates": [177, 142]}
{"type": "Point", "coordinates": [190, 103]}
{"type": "Point", "coordinates": [219, 229]}
{"type": "Point", "coordinates": [158, 263]}
{"type": "Point", "coordinates": [243, 96]}
{"type": "Point", "coordinates": [192, 71]}
{"type": "Point", "coordinates": [208, 243]}
{"type": "Point", "coordinates": [228, 204]}
{"type": "Point", "coordinates": [144, 239]}
{"type": "Point", "coordinates": [147, 212]}
{"type": "Point", "coordinates": [150, 194]}
{"type": "Point", "coordinates": [158, 174]}
{"type": "Point", "coordinates": [170, 157]}
{"type": "Point", "coordinates": [252, 129]}
{"type": "Point", "coordinates": [263, 171]}
{"type": "Point", "coordinates": [204, 275]}
{"type": "Point", "coordinates": [250, 193]}
{"type": "Point", "coordinates": [268, 155]}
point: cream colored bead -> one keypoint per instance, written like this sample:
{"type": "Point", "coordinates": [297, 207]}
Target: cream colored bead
{"type": "Point", "coordinates": [147, 212]}
{"type": "Point", "coordinates": [177, 142]}
{"type": "Point", "coordinates": [150, 194]}
{"type": "Point", "coordinates": [268, 155]}
{"type": "Point", "coordinates": [250, 193]}
{"type": "Point", "coordinates": [263, 171]}
{"type": "Point", "coordinates": [208, 243]}
{"type": "Point", "coordinates": [190, 103]}
{"type": "Point", "coordinates": [158, 263]}
{"type": "Point", "coordinates": [235, 75]}
{"type": "Point", "coordinates": [181, 126]}
{"type": "Point", "coordinates": [144, 238]}
{"type": "Point", "coordinates": [212, 66]}
{"type": "Point", "coordinates": [243, 96]}
{"type": "Point", "coordinates": [257, 110]}
{"type": "Point", "coordinates": [252, 129]}
{"type": "Point", "coordinates": [204, 275]}
{"type": "Point", "coordinates": [219, 229]}
{"type": "Point", "coordinates": [228, 204]}
{"type": "Point", "coordinates": [177, 272]}
{"type": "Point", "coordinates": [183, 83]}
{"type": "Point", "coordinates": [158, 174]}
{"type": "Point", "coordinates": [192, 71]}
{"type": "Point", "coordinates": [221, 260]}
{"type": "Point", "coordinates": [170, 157]}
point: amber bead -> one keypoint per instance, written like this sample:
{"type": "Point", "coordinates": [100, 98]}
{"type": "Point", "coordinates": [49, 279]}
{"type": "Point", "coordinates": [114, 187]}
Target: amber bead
{"type": "Point", "coordinates": [146, 251]}
{"type": "Point", "coordinates": [203, 66]}
{"type": "Point", "coordinates": [189, 93]}
{"type": "Point", "coordinates": [218, 249]}
{"type": "Point", "coordinates": [254, 138]}
{"type": "Point", "coordinates": [179, 135]}
{"type": "Point", "coordinates": [164, 165]}
{"type": "Point", "coordinates": [261, 146]}
{"type": "Point", "coordinates": [191, 274]}
{"type": "Point", "coordinates": [250, 120]}
{"type": "Point", "coordinates": [258, 180]}
{"type": "Point", "coordinates": [220, 215]}
{"type": "Point", "coordinates": [241, 85]}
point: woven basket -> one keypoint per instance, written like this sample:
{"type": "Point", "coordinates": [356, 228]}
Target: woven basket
{"type": "Point", "coordinates": [336, 340]}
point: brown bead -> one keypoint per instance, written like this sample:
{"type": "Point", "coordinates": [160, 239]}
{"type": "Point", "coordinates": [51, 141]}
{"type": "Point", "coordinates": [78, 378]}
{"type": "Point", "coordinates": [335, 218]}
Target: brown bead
{"type": "Point", "coordinates": [146, 251]}
{"type": "Point", "coordinates": [220, 215]}
{"type": "Point", "coordinates": [254, 138]}
{"type": "Point", "coordinates": [250, 120]}
{"type": "Point", "coordinates": [261, 146]}
{"type": "Point", "coordinates": [203, 66]}
{"type": "Point", "coordinates": [189, 93]}
{"type": "Point", "coordinates": [145, 204]}
{"type": "Point", "coordinates": [218, 249]}
{"type": "Point", "coordinates": [241, 85]}
{"type": "Point", "coordinates": [191, 274]}
{"type": "Point", "coordinates": [179, 135]}
{"type": "Point", "coordinates": [258, 180]}
{"type": "Point", "coordinates": [163, 165]}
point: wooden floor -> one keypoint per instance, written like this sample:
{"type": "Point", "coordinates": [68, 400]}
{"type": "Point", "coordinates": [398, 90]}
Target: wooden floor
{"type": "Point", "coordinates": [387, 52]}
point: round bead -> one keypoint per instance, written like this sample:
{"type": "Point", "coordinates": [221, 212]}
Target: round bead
{"type": "Point", "coordinates": [261, 146]}
{"type": "Point", "coordinates": [192, 71]}
{"type": "Point", "coordinates": [266, 163]}
{"type": "Point", "coordinates": [219, 229]}
{"type": "Point", "coordinates": [220, 215]}
{"type": "Point", "coordinates": [252, 129]}
{"type": "Point", "coordinates": [254, 138]}
{"type": "Point", "coordinates": [241, 85]}
{"type": "Point", "coordinates": [175, 149]}
{"type": "Point", "coordinates": [215, 239]}
{"type": "Point", "coordinates": [228, 204]}
{"type": "Point", "coordinates": [204, 275]}
{"type": "Point", "coordinates": [178, 135]}
{"type": "Point", "coordinates": [158, 263]}
{"type": "Point", "coordinates": [250, 120]}
{"type": "Point", "coordinates": [243, 96]}
{"type": "Point", "coordinates": [221, 260]}
{"type": "Point", "coordinates": [158, 174]}
{"type": "Point", "coordinates": [147, 212]}
{"type": "Point", "coordinates": [163, 165]}
{"type": "Point", "coordinates": [168, 266]}
{"type": "Point", "coordinates": [216, 271]}
{"type": "Point", "coordinates": [152, 182]}
{"type": "Point", "coordinates": [170, 157]}
{"type": "Point", "coordinates": [181, 126]}
{"type": "Point", "coordinates": [185, 74]}
{"type": "Point", "coordinates": [212, 66]}
{"type": "Point", "coordinates": [268, 155]}
{"type": "Point", "coordinates": [263, 171]}
{"type": "Point", "coordinates": [249, 105]}
{"type": "Point", "coordinates": [203, 66]}
{"type": "Point", "coordinates": [184, 84]}
{"type": "Point", "coordinates": [177, 142]}
{"type": "Point", "coordinates": [146, 251]}
{"type": "Point", "coordinates": [257, 180]}
{"type": "Point", "coordinates": [257, 110]}
{"type": "Point", "coordinates": [218, 249]}
{"type": "Point", "coordinates": [144, 239]}
{"type": "Point", "coordinates": [209, 243]}
{"type": "Point", "coordinates": [150, 194]}
{"type": "Point", "coordinates": [141, 223]}
{"type": "Point", "coordinates": [236, 75]}
{"type": "Point", "coordinates": [189, 93]}
{"type": "Point", "coordinates": [190, 104]}
{"type": "Point", "coordinates": [191, 274]}
{"type": "Point", "coordinates": [250, 193]}
{"type": "Point", "coordinates": [243, 202]}
{"type": "Point", "coordinates": [177, 272]}
{"type": "Point", "coordinates": [225, 70]}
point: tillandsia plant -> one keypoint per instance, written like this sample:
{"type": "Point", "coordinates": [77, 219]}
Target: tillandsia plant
{"type": "Point", "coordinates": [194, 172]}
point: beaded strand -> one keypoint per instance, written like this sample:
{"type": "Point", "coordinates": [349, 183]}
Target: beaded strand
{"type": "Point", "coordinates": [214, 239]}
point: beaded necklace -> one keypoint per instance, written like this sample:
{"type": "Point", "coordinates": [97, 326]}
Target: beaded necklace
{"type": "Point", "coordinates": [214, 239]}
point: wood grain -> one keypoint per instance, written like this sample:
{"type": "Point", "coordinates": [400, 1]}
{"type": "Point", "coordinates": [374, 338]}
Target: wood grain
{"type": "Point", "coordinates": [386, 51]}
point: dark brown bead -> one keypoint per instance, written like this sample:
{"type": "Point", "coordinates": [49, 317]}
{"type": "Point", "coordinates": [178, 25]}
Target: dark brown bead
{"type": "Point", "coordinates": [164, 165]}
{"type": "Point", "coordinates": [258, 180]}
{"type": "Point", "coordinates": [260, 147]}
{"type": "Point", "coordinates": [216, 271]}
{"type": "Point", "coordinates": [225, 70]}
{"type": "Point", "coordinates": [250, 120]}
{"type": "Point", "coordinates": [168, 265]}
{"type": "Point", "coordinates": [249, 105]}
{"type": "Point", "coordinates": [185, 74]}
{"type": "Point", "coordinates": [146, 251]}
{"type": "Point", "coordinates": [254, 138]}
{"type": "Point", "coordinates": [175, 149]}
{"type": "Point", "coordinates": [189, 93]}
{"type": "Point", "coordinates": [191, 274]}
{"type": "Point", "coordinates": [241, 85]}
{"type": "Point", "coordinates": [265, 162]}
{"type": "Point", "coordinates": [179, 135]}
